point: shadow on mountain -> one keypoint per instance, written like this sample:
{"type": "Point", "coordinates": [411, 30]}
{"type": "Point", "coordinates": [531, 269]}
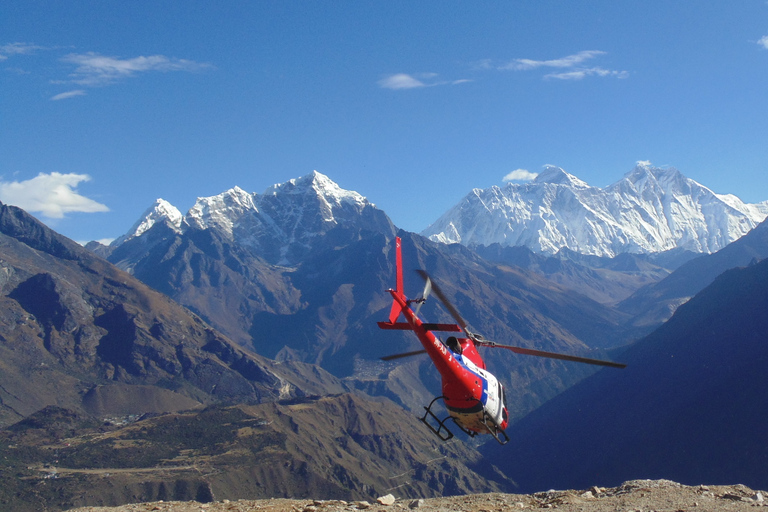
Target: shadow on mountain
{"type": "Point", "coordinates": [687, 407]}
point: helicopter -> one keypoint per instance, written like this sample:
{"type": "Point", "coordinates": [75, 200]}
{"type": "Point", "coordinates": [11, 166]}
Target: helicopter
{"type": "Point", "coordinates": [473, 396]}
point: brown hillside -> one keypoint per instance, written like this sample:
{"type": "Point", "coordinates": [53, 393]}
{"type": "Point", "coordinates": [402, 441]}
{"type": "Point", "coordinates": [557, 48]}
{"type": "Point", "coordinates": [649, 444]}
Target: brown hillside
{"type": "Point", "coordinates": [344, 447]}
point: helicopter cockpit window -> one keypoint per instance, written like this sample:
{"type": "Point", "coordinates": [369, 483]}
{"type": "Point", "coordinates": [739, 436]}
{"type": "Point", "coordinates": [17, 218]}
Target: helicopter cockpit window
{"type": "Point", "coordinates": [453, 344]}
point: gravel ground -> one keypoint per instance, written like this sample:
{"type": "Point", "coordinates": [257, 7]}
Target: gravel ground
{"type": "Point", "coordinates": [636, 495]}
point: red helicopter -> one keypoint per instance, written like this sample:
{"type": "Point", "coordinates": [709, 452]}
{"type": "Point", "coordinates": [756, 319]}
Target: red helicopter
{"type": "Point", "coordinates": [473, 396]}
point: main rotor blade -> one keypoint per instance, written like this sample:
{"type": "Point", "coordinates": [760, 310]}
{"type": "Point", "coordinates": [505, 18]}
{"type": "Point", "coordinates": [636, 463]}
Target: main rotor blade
{"type": "Point", "coordinates": [404, 354]}
{"type": "Point", "coordinates": [424, 295]}
{"type": "Point", "coordinates": [519, 350]}
{"type": "Point", "coordinates": [555, 355]}
{"type": "Point", "coordinates": [440, 295]}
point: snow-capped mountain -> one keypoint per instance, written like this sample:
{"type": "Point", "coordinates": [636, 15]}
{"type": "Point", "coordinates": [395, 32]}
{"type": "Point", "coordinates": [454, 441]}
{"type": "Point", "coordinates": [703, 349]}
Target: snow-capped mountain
{"type": "Point", "coordinates": [648, 210]}
{"type": "Point", "coordinates": [280, 223]}
{"type": "Point", "coordinates": [160, 212]}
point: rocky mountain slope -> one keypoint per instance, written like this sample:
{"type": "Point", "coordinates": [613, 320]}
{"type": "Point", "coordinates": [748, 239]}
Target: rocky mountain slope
{"type": "Point", "coordinates": [688, 407]}
{"type": "Point", "coordinates": [340, 447]}
{"type": "Point", "coordinates": [655, 303]}
{"type": "Point", "coordinates": [77, 332]}
{"type": "Point", "coordinates": [605, 280]}
{"type": "Point", "coordinates": [648, 210]}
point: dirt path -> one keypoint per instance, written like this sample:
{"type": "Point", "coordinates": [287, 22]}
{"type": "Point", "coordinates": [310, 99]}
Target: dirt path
{"type": "Point", "coordinates": [637, 495]}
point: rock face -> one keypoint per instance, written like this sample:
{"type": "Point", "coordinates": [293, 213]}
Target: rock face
{"type": "Point", "coordinates": [77, 332]}
{"type": "Point", "coordinates": [649, 210]}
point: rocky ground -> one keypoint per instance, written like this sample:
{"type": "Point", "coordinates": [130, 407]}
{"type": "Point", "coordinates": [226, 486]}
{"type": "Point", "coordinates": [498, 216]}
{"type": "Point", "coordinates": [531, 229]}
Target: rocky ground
{"type": "Point", "coordinates": [635, 495]}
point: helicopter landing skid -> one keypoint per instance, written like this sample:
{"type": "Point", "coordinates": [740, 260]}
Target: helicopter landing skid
{"type": "Point", "coordinates": [496, 432]}
{"type": "Point", "coordinates": [441, 431]}
{"type": "Point", "coordinates": [444, 433]}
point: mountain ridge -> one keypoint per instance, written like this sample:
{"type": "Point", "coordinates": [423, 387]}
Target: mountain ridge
{"type": "Point", "coordinates": [649, 210]}
{"type": "Point", "coordinates": [322, 307]}
{"type": "Point", "coordinates": [281, 229]}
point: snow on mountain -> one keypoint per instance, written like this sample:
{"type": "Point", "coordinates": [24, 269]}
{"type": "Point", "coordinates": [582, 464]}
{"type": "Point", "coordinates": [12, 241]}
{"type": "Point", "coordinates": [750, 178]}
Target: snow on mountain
{"type": "Point", "coordinates": [325, 188]}
{"type": "Point", "coordinates": [161, 211]}
{"type": "Point", "coordinates": [221, 211]}
{"type": "Point", "coordinates": [279, 223]}
{"type": "Point", "coordinates": [310, 205]}
{"type": "Point", "coordinates": [649, 210]}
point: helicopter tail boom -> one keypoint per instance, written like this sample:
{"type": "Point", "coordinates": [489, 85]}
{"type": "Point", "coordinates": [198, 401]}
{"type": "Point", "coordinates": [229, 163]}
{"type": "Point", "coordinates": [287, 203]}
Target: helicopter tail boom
{"type": "Point", "coordinates": [399, 300]}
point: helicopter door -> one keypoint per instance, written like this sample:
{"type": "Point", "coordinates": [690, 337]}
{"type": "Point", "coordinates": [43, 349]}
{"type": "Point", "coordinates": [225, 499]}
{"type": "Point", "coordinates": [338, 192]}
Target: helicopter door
{"type": "Point", "coordinates": [493, 396]}
{"type": "Point", "coordinates": [494, 403]}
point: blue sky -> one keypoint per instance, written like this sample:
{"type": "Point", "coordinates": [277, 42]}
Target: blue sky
{"type": "Point", "coordinates": [106, 106]}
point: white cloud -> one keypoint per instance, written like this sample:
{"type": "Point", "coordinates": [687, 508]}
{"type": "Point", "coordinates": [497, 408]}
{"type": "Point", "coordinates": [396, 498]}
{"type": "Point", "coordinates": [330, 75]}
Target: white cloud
{"type": "Point", "coordinates": [763, 42]}
{"type": "Point", "coordinates": [483, 64]}
{"type": "Point", "coordinates": [68, 94]}
{"type": "Point", "coordinates": [7, 50]}
{"type": "Point", "coordinates": [644, 163]}
{"type": "Point", "coordinates": [520, 175]}
{"type": "Point", "coordinates": [400, 81]}
{"type": "Point", "coordinates": [564, 62]}
{"type": "Point", "coordinates": [404, 81]}
{"type": "Point", "coordinates": [578, 74]}
{"type": "Point", "coordinates": [571, 63]}
{"type": "Point", "coordinates": [53, 195]}
{"type": "Point", "coordinates": [93, 69]}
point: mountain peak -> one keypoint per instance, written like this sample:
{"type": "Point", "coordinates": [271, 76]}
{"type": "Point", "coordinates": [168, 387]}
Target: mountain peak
{"type": "Point", "coordinates": [327, 191]}
{"type": "Point", "coordinates": [321, 184]}
{"type": "Point", "coordinates": [160, 211]}
{"type": "Point", "coordinates": [234, 195]}
{"type": "Point", "coordinates": [314, 180]}
{"type": "Point", "coordinates": [648, 180]}
{"type": "Point", "coordinates": [558, 176]}
{"type": "Point", "coordinates": [221, 210]}
{"type": "Point", "coordinates": [646, 169]}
